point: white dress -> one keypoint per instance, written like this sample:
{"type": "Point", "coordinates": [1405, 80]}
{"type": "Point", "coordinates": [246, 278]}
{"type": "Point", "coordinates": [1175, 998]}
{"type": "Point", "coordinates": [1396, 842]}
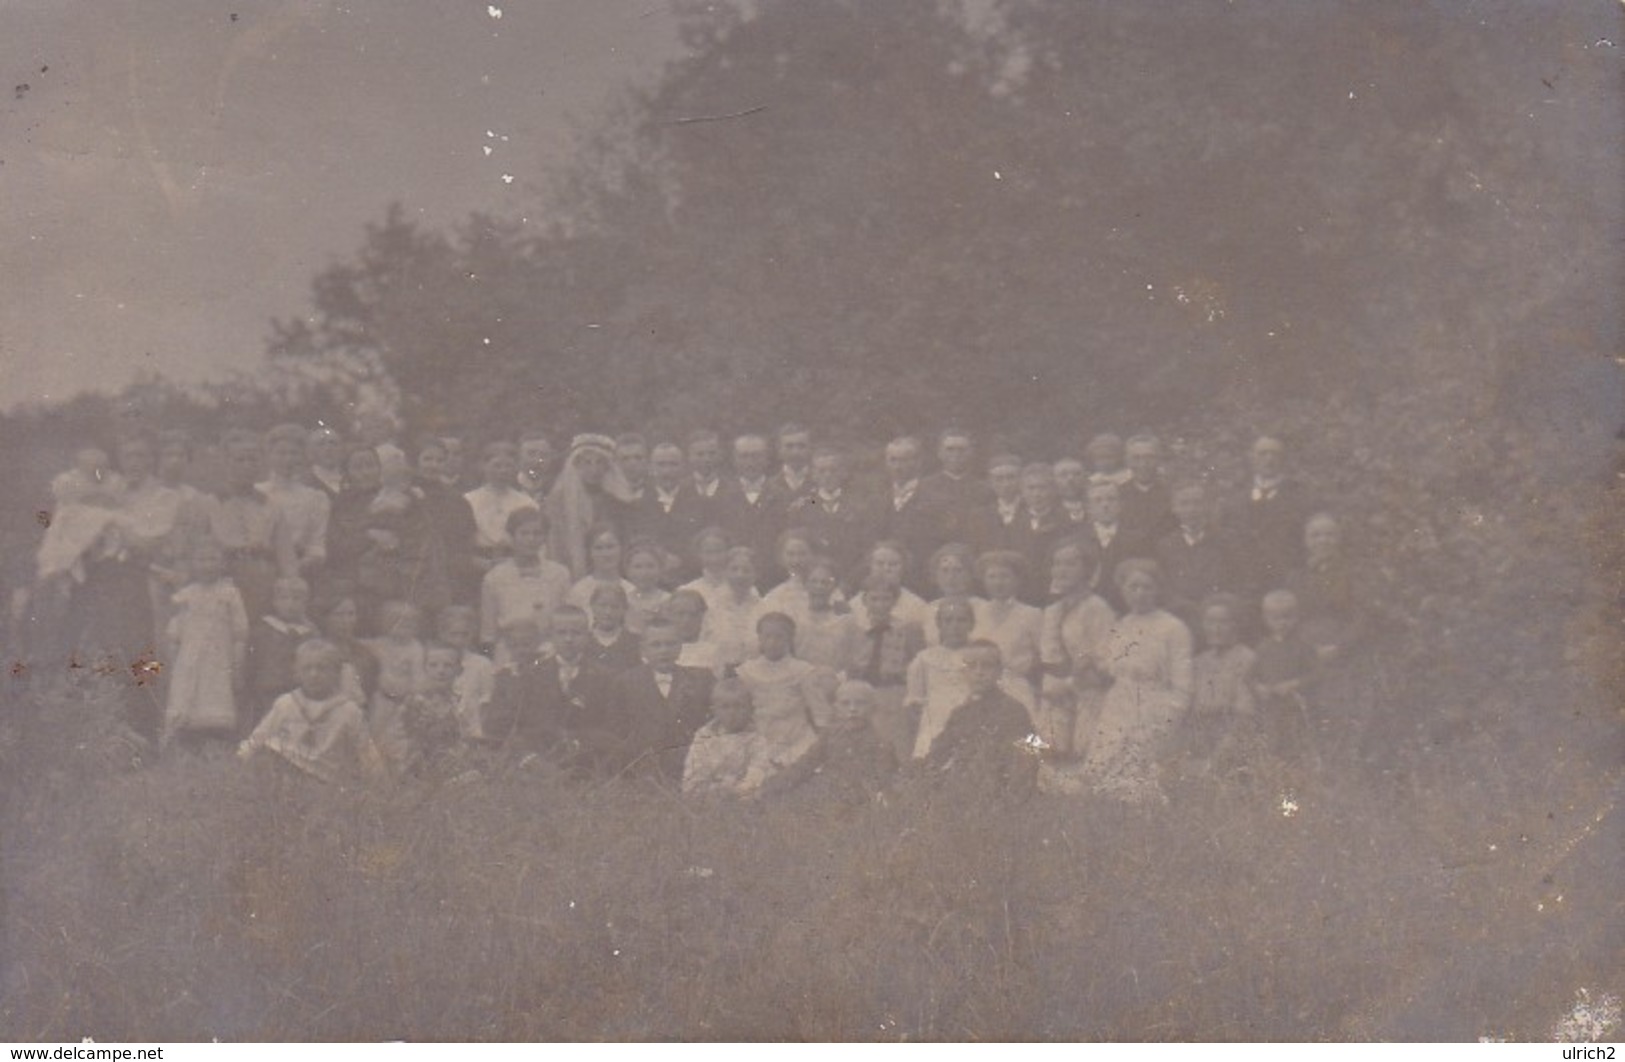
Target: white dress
{"type": "Point", "coordinates": [790, 697]}
{"type": "Point", "coordinates": [1149, 659]}
{"type": "Point", "coordinates": [209, 632]}
{"type": "Point", "coordinates": [936, 682]}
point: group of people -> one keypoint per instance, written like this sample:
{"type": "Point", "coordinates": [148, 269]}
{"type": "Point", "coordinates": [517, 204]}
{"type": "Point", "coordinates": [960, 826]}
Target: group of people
{"type": "Point", "coordinates": [741, 618]}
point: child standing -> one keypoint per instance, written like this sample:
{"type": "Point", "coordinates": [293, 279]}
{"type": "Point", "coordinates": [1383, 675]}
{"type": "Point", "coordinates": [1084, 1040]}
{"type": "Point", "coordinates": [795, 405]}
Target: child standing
{"type": "Point", "coordinates": [208, 637]}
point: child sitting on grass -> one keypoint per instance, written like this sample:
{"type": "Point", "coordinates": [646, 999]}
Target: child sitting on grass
{"type": "Point", "coordinates": [854, 763]}
{"type": "Point", "coordinates": [398, 651]}
{"type": "Point", "coordinates": [421, 731]}
{"type": "Point", "coordinates": [316, 728]}
{"type": "Point", "coordinates": [727, 756]}
{"type": "Point", "coordinates": [985, 749]}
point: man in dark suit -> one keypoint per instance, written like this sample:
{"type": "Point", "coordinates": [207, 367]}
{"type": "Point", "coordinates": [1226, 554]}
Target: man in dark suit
{"type": "Point", "coordinates": [748, 507]}
{"type": "Point", "coordinates": [953, 496]}
{"type": "Point", "coordinates": [1038, 526]}
{"type": "Point", "coordinates": [997, 518]}
{"type": "Point", "coordinates": [1072, 483]}
{"type": "Point", "coordinates": [1268, 521]}
{"type": "Point", "coordinates": [1195, 557]}
{"type": "Point", "coordinates": [1147, 508]}
{"type": "Point", "coordinates": [632, 458]}
{"type": "Point", "coordinates": [832, 512]}
{"type": "Point", "coordinates": [1113, 541]}
{"type": "Point", "coordinates": [669, 511]}
{"type": "Point", "coordinates": [553, 705]}
{"type": "Point", "coordinates": [657, 706]}
{"type": "Point", "coordinates": [901, 514]}
{"type": "Point", "coordinates": [794, 477]}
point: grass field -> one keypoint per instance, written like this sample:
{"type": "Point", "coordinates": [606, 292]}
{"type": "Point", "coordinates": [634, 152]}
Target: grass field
{"type": "Point", "coordinates": [1467, 889]}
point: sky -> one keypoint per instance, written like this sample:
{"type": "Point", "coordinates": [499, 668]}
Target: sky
{"type": "Point", "coordinates": [173, 173]}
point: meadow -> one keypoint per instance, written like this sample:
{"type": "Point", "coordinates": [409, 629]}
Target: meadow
{"type": "Point", "coordinates": [1459, 890]}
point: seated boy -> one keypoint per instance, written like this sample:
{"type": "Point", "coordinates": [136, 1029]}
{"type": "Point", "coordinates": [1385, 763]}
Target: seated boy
{"type": "Point", "coordinates": [853, 762]}
{"type": "Point", "coordinates": [982, 749]}
{"type": "Point", "coordinates": [660, 705]}
{"type": "Point", "coordinates": [554, 705]}
{"type": "Point", "coordinates": [316, 728]}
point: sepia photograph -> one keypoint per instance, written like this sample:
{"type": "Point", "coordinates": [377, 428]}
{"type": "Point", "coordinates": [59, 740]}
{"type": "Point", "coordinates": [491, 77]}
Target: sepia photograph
{"type": "Point", "coordinates": [812, 521]}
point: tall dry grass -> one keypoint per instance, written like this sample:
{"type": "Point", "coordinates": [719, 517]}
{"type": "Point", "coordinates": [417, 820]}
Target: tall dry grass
{"type": "Point", "coordinates": [203, 898]}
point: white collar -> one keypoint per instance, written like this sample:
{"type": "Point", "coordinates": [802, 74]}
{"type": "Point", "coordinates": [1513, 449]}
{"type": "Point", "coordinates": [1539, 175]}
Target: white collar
{"type": "Point", "coordinates": [282, 626]}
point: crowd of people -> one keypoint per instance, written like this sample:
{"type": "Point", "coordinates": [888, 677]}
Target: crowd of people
{"type": "Point", "coordinates": [735, 616]}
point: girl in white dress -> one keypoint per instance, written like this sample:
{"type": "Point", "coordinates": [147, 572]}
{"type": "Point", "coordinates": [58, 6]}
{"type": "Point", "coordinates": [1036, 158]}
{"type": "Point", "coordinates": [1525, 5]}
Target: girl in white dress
{"type": "Point", "coordinates": [208, 635]}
